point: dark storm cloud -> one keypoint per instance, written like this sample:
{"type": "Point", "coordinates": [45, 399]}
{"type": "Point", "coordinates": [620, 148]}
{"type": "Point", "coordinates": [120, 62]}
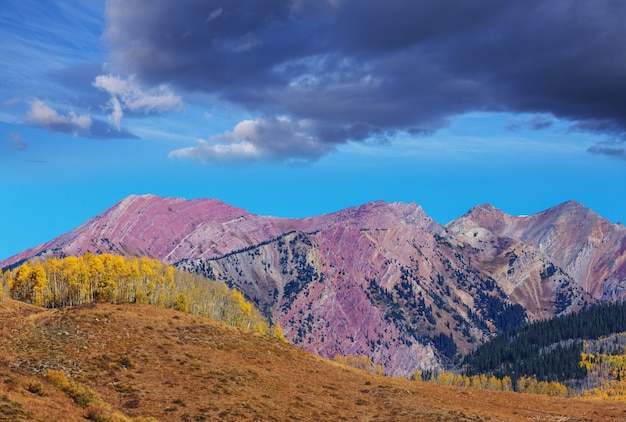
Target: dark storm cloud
{"type": "Point", "coordinates": [79, 78]}
{"type": "Point", "coordinates": [354, 70]}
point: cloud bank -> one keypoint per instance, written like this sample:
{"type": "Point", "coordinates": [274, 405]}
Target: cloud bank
{"type": "Point", "coordinates": [355, 70]}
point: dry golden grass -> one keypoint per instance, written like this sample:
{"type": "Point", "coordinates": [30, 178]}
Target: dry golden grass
{"type": "Point", "coordinates": [147, 361]}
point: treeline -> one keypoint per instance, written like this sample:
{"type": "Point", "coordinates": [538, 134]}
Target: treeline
{"type": "Point", "coordinates": [605, 361]}
{"type": "Point", "coordinates": [115, 279]}
{"type": "Point", "coordinates": [550, 350]}
{"type": "Point", "coordinates": [363, 363]}
{"type": "Point", "coordinates": [492, 383]}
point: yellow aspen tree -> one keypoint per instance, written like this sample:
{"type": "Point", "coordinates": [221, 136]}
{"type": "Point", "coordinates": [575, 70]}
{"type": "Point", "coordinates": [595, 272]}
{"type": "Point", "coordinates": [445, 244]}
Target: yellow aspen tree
{"type": "Point", "coordinates": [484, 382]}
{"type": "Point", "coordinates": [495, 383]}
{"type": "Point", "coordinates": [462, 380]}
{"type": "Point", "coordinates": [350, 360]}
{"type": "Point", "coordinates": [107, 287]}
{"type": "Point", "coordinates": [181, 302]}
{"type": "Point", "coordinates": [446, 378]}
{"type": "Point", "coordinates": [475, 381]}
{"type": "Point", "coordinates": [121, 290]}
{"type": "Point", "coordinates": [56, 288]}
{"type": "Point", "coordinates": [82, 289]}
{"type": "Point", "coordinates": [86, 287]}
{"type": "Point", "coordinates": [95, 271]}
{"type": "Point", "coordinates": [19, 286]}
{"type": "Point", "coordinates": [242, 310]}
{"type": "Point", "coordinates": [39, 283]}
{"type": "Point", "coordinates": [70, 275]}
{"type": "Point", "coordinates": [5, 280]}
{"type": "Point", "coordinates": [533, 386]}
{"type": "Point", "coordinates": [521, 386]}
{"type": "Point", "coordinates": [556, 389]}
{"type": "Point", "coordinates": [135, 284]}
{"type": "Point", "coordinates": [146, 269]}
{"type": "Point", "coordinates": [507, 383]}
{"type": "Point", "coordinates": [541, 387]}
{"type": "Point", "coordinates": [167, 278]}
{"type": "Point", "coordinates": [277, 331]}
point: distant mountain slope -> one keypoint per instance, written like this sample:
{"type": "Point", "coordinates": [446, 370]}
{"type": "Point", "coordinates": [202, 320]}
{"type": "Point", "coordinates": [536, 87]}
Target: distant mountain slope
{"type": "Point", "coordinates": [387, 293]}
{"type": "Point", "coordinates": [147, 361]}
{"type": "Point", "coordinates": [573, 240]}
{"type": "Point", "coordinates": [382, 280]}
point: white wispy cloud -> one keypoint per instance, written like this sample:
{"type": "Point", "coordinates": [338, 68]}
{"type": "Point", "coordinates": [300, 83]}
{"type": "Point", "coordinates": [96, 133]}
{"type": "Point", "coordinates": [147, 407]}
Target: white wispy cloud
{"type": "Point", "coordinates": [265, 139]}
{"type": "Point", "coordinates": [11, 102]}
{"type": "Point", "coordinates": [41, 114]}
{"type": "Point", "coordinates": [206, 153]}
{"type": "Point", "coordinates": [126, 94]}
{"type": "Point", "coordinates": [115, 118]}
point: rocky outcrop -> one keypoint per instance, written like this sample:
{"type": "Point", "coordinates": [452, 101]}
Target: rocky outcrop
{"type": "Point", "coordinates": [381, 280]}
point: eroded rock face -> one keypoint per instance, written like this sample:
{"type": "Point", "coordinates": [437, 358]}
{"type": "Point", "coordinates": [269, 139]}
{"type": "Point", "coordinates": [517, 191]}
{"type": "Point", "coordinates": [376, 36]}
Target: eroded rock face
{"type": "Point", "coordinates": [381, 280]}
{"type": "Point", "coordinates": [569, 241]}
{"type": "Point", "coordinates": [389, 293]}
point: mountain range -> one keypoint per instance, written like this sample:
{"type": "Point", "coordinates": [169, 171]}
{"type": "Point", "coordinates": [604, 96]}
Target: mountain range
{"type": "Point", "coordinates": [382, 280]}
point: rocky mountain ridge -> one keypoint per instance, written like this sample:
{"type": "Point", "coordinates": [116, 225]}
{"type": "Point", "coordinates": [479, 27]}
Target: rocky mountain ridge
{"type": "Point", "coordinates": [381, 280]}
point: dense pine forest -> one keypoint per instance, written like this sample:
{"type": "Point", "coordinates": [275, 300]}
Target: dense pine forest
{"type": "Point", "coordinates": [565, 349]}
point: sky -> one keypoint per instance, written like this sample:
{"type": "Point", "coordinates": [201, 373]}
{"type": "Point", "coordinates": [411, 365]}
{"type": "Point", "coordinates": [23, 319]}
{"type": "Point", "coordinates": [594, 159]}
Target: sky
{"type": "Point", "coordinates": [294, 108]}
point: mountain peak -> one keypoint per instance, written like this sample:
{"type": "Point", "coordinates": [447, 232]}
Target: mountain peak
{"type": "Point", "coordinates": [483, 215]}
{"type": "Point", "coordinates": [569, 205]}
{"type": "Point", "coordinates": [372, 215]}
{"type": "Point", "coordinates": [569, 211]}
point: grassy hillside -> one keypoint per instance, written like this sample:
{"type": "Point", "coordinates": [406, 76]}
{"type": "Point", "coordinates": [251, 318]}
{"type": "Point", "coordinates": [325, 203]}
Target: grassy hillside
{"type": "Point", "coordinates": [146, 361]}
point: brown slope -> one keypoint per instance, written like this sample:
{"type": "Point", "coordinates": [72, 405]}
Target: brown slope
{"type": "Point", "coordinates": [144, 360]}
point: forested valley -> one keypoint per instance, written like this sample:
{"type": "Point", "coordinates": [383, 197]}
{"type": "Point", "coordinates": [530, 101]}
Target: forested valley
{"type": "Point", "coordinates": [584, 351]}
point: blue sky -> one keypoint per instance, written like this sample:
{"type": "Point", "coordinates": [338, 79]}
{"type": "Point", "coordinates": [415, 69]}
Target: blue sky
{"type": "Point", "coordinates": [295, 108]}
